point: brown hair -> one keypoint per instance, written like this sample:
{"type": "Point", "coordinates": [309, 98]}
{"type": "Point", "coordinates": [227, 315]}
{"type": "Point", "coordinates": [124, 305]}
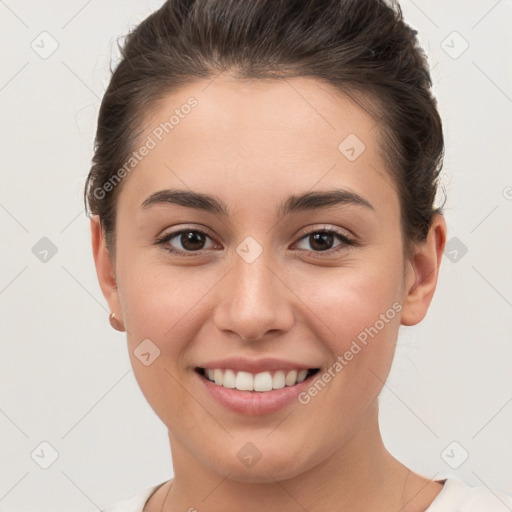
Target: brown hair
{"type": "Point", "coordinates": [362, 47]}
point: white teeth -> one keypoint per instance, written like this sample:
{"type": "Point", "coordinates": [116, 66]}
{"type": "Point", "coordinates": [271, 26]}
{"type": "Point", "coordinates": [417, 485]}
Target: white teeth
{"type": "Point", "coordinates": [229, 379]}
{"type": "Point", "coordinates": [218, 376]}
{"type": "Point", "coordinates": [264, 381]}
{"type": "Point", "coordinates": [278, 381]}
{"type": "Point", "coordinates": [291, 378]}
{"type": "Point", "coordinates": [301, 375]}
{"type": "Point", "coordinates": [244, 381]}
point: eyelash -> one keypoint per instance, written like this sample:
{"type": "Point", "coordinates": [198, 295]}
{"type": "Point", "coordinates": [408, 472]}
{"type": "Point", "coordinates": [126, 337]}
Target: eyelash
{"type": "Point", "coordinates": [346, 241]}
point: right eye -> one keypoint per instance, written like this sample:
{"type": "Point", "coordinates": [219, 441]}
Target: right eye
{"type": "Point", "coordinates": [191, 241]}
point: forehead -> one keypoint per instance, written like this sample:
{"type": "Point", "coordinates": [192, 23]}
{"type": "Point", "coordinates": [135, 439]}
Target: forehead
{"type": "Point", "coordinates": [260, 139]}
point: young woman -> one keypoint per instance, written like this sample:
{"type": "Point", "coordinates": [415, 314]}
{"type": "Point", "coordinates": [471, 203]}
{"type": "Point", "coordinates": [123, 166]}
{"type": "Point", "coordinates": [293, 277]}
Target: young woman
{"type": "Point", "coordinates": [263, 221]}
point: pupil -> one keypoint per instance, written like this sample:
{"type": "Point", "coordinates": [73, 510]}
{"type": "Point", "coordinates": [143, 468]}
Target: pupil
{"type": "Point", "coordinates": [189, 238]}
{"type": "Point", "coordinates": [322, 237]}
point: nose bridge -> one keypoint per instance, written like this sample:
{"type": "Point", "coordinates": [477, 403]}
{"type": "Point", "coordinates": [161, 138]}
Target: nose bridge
{"type": "Point", "coordinates": [256, 301]}
{"type": "Point", "coordinates": [253, 276]}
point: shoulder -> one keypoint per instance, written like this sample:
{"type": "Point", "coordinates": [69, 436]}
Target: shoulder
{"type": "Point", "coordinates": [457, 496]}
{"type": "Point", "coordinates": [135, 503]}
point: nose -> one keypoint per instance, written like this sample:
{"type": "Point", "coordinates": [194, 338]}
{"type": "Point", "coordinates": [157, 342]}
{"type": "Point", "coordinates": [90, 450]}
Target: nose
{"type": "Point", "coordinates": [255, 301]}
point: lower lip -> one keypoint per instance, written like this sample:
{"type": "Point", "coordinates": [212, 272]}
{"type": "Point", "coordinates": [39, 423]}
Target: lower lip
{"type": "Point", "coordinates": [254, 403]}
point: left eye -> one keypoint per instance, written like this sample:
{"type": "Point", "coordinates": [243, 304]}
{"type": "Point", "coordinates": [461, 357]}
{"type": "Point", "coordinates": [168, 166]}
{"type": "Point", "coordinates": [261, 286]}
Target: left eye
{"type": "Point", "coordinates": [322, 240]}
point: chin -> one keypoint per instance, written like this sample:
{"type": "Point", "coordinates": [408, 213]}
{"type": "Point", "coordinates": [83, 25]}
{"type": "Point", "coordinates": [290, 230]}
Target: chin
{"type": "Point", "coordinates": [269, 468]}
{"type": "Point", "coordinates": [262, 473]}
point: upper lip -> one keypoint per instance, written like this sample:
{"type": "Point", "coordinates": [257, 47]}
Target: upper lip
{"type": "Point", "coordinates": [265, 364]}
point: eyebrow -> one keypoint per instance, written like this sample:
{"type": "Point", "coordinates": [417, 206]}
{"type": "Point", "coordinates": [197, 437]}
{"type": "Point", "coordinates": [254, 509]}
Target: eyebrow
{"type": "Point", "coordinates": [294, 204]}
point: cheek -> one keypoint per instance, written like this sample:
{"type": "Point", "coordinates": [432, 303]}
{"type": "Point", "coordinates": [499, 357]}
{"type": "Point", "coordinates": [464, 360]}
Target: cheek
{"type": "Point", "coordinates": [159, 305]}
{"type": "Point", "coordinates": [159, 301]}
{"type": "Point", "coordinates": [353, 300]}
{"type": "Point", "coordinates": [361, 307]}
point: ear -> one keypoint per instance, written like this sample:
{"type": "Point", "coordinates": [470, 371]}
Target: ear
{"type": "Point", "coordinates": [105, 268]}
{"type": "Point", "coordinates": [422, 271]}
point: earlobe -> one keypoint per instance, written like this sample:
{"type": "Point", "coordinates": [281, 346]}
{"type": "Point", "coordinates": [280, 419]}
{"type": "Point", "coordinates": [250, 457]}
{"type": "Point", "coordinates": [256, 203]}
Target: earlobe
{"type": "Point", "coordinates": [423, 271]}
{"type": "Point", "coordinates": [105, 269]}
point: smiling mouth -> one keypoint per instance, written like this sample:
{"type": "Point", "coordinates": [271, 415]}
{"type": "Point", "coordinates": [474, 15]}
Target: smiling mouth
{"type": "Point", "coordinates": [257, 382]}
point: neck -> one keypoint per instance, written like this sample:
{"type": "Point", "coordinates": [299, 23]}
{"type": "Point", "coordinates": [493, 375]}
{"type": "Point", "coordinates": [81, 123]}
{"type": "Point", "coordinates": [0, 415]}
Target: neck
{"type": "Point", "coordinates": [361, 475]}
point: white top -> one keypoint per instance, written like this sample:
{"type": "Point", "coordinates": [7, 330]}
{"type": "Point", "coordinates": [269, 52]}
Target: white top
{"type": "Point", "coordinates": [455, 496]}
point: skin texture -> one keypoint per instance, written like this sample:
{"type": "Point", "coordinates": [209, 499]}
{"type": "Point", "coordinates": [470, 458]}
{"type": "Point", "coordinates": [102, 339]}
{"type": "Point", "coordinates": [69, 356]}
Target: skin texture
{"type": "Point", "coordinates": [253, 144]}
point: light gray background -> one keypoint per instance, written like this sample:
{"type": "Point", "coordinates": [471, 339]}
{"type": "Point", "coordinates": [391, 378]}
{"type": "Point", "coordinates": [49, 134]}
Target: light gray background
{"type": "Point", "coordinates": [65, 376]}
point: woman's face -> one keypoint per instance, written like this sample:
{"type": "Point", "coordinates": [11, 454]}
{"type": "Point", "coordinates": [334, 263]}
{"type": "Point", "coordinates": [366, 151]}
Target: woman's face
{"type": "Point", "coordinates": [265, 287]}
